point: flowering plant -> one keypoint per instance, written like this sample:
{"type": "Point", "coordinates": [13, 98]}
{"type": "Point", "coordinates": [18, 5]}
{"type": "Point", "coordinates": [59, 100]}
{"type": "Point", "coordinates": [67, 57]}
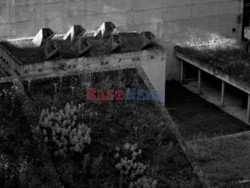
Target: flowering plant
{"type": "Point", "coordinates": [62, 131]}
{"type": "Point", "coordinates": [131, 169]}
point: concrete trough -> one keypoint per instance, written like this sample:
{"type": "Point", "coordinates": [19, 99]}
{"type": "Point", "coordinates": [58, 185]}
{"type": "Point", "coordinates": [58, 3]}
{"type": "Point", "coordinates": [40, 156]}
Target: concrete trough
{"type": "Point", "coordinates": [42, 36]}
{"type": "Point", "coordinates": [147, 37]}
{"type": "Point", "coordinates": [115, 41]}
{"type": "Point", "coordinates": [105, 30]}
{"type": "Point", "coordinates": [82, 46]}
{"type": "Point", "coordinates": [72, 53]}
{"type": "Point", "coordinates": [74, 33]}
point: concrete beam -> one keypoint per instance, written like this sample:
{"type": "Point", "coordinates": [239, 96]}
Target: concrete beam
{"type": "Point", "coordinates": [222, 100]}
{"type": "Point", "coordinates": [248, 109]}
{"type": "Point", "coordinates": [199, 81]}
{"type": "Point", "coordinates": [182, 78]}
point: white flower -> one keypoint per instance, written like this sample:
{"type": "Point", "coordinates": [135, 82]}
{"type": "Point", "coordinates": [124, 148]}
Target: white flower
{"type": "Point", "coordinates": [118, 166]}
{"type": "Point", "coordinates": [44, 132]}
{"type": "Point", "coordinates": [139, 152]}
{"type": "Point", "coordinates": [77, 148]}
{"type": "Point", "coordinates": [132, 148]}
{"type": "Point", "coordinates": [58, 129]}
{"type": "Point", "coordinates": [134, 155]}
{"type": "Point", "coordinates": [135, 145]}
{"type": "Point", "coordinates": [127, 146]}
{"type": "Point", "coordinates": [116, 155]}
{"type": "Point", "coordinates": [134, 165]}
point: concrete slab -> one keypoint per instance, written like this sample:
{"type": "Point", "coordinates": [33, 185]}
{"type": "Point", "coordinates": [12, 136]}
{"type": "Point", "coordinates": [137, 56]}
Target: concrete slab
{"type": "Point", "coordinates": [170, 3]}
{"type": "Point", "coordinates": [123, 19]}
{"type": "Point", "coordinates": [148, 16]}
{"type": "Point", "coordinates": [205, 9]}
{"type": "Point", "coordinates": [230, 7]}
{"type": "Point", "coordinates": [112, 6]}
{"type": "Point", "coordinates": [173, 13]}
{"type": "Point", "coordinates": [4, 29]}
{"type": "Point", "coordinates": [24, 12]}
{"type": "Point", "coordinates": [146, 4]}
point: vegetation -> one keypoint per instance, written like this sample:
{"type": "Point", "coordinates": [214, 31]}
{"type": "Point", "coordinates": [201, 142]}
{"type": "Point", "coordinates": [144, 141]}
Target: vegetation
{"type": "Point", "coordinates": [196, 117]}
{"type": "Point", "coordinates": [93, 143]}
{"type": "Point", "coordinates": [222, 54]}
{"type": "Point", "coordinates": [21, 162]}
{"type": "Point", "coordinates": [223, 160]}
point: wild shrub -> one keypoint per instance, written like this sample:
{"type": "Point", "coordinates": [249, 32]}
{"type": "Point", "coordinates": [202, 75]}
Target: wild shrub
{"type": "Point", "coordinates": [62, 132]}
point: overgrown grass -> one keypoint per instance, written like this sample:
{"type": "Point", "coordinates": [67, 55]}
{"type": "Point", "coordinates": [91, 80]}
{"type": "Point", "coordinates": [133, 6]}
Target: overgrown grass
{"type": "Point", "coordinates": [22, 162]}
{"type": "Point", "coordinates": [226, 55]}
{"type": "Point", "coordinates": [113, 123]}
{"type": "Point", "coordinates": [223, 160]}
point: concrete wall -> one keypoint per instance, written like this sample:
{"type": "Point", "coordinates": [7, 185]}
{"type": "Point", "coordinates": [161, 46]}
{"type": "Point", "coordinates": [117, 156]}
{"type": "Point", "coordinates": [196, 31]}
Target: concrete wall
{"type": "Point", "coordinates": [172, 21]}
{"type": "Point", "coordinates": [151, 61]}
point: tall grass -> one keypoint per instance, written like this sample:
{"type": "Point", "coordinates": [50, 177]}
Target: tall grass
{"type": "Point", "coordinates": [223, 54]}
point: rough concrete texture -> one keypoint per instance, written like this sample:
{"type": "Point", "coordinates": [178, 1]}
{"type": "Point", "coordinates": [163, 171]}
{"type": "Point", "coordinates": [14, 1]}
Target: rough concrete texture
{"type": "Point", "coordinates": [174, 21]}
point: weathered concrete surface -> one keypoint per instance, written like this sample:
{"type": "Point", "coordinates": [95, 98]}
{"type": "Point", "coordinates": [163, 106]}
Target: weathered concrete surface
{"type": "Point", "coordinates": [152, 62]}
{"type": "Point", "coordinates": [174, 21]}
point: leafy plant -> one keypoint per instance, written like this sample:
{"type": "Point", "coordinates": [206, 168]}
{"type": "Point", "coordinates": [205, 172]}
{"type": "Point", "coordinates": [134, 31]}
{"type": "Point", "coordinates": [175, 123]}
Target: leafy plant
{"type": "Point", "coordinates": [62, 131]}
{"type": "Point", "coordinates": [131, 170]}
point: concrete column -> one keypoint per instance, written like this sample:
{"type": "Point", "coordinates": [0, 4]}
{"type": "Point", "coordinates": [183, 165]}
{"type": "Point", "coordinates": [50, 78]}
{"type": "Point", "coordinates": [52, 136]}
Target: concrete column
{"type": "Point", "coordinates": [199, 81]}
{"type": "Point", "coordinates": [222, 99]}
{"type": "Point", "coordinates": [29, 83]}
{"type": "Point", "coordinates": [182, 72]}
{"type": "Point", "coordinates": [72, 90]}
{"type": "Point", "coordinates": [55, 88]}
{"type": "Point", "coordinates": [60, 84]}
{"type": "Point", "coordinates": [248, 109]}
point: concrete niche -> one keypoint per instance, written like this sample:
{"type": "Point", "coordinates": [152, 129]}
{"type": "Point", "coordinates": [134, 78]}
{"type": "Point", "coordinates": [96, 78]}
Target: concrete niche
{"type": "Point", "coordinates": [51, 48]}
{"type": "Point", "coordinates": [147, 38]}
{"type": "Point", "coordinates": [82, 46]}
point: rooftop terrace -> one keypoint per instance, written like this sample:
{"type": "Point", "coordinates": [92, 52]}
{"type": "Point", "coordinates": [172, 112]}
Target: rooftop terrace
{"type": "Point", "coordinates": [77, 42]}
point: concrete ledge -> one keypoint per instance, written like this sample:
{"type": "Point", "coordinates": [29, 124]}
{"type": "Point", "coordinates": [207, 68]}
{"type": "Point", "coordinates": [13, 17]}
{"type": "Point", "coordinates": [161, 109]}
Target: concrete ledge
{"type": "Point", "coordinates": [216, 73]}
{"type": "Point", "coordinates": [153, 63]}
